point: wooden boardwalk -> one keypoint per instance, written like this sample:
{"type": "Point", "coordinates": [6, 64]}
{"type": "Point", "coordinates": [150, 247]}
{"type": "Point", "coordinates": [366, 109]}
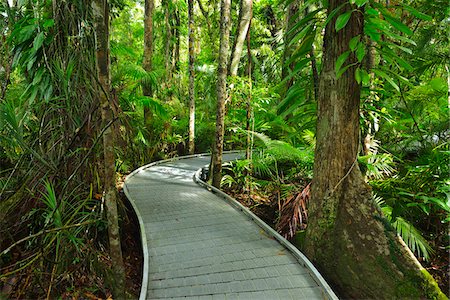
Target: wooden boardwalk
{"type": "Point", "coordinates": [198, 246]}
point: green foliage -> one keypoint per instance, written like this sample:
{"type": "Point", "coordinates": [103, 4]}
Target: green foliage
{"type": "Point", "coordinates": [411, 235]}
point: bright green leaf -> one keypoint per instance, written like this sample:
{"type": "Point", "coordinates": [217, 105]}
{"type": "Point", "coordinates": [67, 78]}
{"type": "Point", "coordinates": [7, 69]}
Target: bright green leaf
{"type": "Point", "coordinates": [341, 59]}
{"type": "Point", "coordinates": [360, 2]}
{"type": "Point", "coordinates": [354, 42]}
{"type": "Point", "coordinates": [365, 78]}
{"type": "Point", "coordinates": [358, 75]}
{"type": "Point", "coordinates": [48, 23]}
{"type": "Point", "coordinates": [342, 20]}
{"type": "Point", "coordinates": [360, 52]}
{"type": "Point", "coordinates": [397, 24]}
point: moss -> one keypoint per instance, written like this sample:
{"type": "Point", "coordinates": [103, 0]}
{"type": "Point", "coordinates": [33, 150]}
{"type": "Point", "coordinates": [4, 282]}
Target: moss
{"type": "Point", "coordinates": [430, 287]}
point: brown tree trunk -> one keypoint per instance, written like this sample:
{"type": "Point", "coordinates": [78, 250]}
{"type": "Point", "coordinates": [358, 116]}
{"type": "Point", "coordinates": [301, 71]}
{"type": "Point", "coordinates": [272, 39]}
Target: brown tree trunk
{"type": "Point", "coordinates": [245, 16]}
{"type": "Point", "coordinates": [347, 238]}
{"type": "Point", "coordinates": [191, 78]}
{"type": "Point", "coordinates": [101, 18]}
{"type": "Point", "coordinates": [148, 53]}
{"type": "Point", "coordinates": [221, 91]}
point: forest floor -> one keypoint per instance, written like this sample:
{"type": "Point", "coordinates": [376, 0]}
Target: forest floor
{"type": "Point", "coordinates": [265, 206]}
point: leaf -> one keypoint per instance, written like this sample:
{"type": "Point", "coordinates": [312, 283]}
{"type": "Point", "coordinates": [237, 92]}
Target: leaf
{"type": "Point", "coordinates": [387, 78]}
{"type": "Point", "coordinates": [342, 20]}
{"type": "Point", "coordinates": [358, 75]}
{"type": "Point", "coordinates": [417, 13]}
{"type": "Point", "coordinates": [407, 50]}
{"type": "Point", "coordinates": [342, 71]}
{"type": "Point", "coordinates": [360, 52]}
{"type": "Point", "coordinates": [365, 78]}
{"type": "Point", "coordinates": [372, 12]}
{"type": "Point", "coordinates": [340, 61]}
{"type": "Point", "coordinates": [360, 2]}
{"type": "Point", "coordinates": [397, 24]}
{"type": "Point", "coordinates": [354, 42]}
{"type": "Point", "coordinates": [48, 23]}
{"type": "Point", "coordinates": [438, 84]}
{"type": "Point", "coordinates": [38, 41]}
{"type": "Point", "coordinates": [334, 13]}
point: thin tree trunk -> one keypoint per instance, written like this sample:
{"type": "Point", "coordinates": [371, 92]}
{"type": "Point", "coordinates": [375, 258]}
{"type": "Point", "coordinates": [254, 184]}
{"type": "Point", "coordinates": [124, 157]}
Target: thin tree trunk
{"type": "Point", "coordinates": [208, 23]}
{"type": "Point", "coordinates": [315, 73]}
{"type": "Point", "coordinates": [248, 152]}
{"type": "Point", "coordinates": [347, 238]}
{"type": "Point", "coordinates": [101, 17]}
{"type": "Point", "coordinates": [176, 47]}
{"type": "Point", "coordinates": [191, 78]}
{"type": "Point", "coordinates": [286, 68]}
{"type": "Point", "coordinates": [168, 47]}
{"type": "Point", "coordinates": [221, 90]}
{"type": "Point", "coordinates": [245, 16]}
{"type": "Point", "coordinates": [369, 61]}
{"type": "Point", "coordinates": [148, 53]}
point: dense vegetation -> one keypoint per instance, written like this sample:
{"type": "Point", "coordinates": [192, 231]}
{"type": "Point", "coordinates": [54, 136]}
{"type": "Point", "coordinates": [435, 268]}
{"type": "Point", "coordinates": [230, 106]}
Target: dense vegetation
{"type": "Point", "coordinates": [269, 77]}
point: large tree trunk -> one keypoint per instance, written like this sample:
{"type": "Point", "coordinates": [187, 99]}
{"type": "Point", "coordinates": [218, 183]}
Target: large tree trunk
{"type": "Point", "coordinates": [346, 237]}
{"type": "Point", "coordinates": [221, 91]}
{"type": "Point", "coordinates": [191, 78]}
{"type": "Point", "coordinates": [148, 53]}
{"type": "Point", "coordinates": [245, 16]}
{"type": "Point", "coordinates": [101, 17]}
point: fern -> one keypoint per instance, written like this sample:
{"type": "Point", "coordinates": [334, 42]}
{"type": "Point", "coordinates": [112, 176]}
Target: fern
{"type": "Point", "coordinates": [410, 234]}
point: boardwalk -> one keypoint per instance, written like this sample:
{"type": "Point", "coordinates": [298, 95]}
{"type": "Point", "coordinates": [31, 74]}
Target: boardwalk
{"type": "Point", "coordinates": [200, 247]}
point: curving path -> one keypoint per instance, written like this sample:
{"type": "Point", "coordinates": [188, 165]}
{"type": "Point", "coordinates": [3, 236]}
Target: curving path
{"type": "Point", "coordinates": [198, 246]}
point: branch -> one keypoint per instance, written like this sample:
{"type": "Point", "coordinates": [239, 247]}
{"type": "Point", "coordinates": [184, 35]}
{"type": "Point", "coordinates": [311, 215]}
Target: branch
{"type": "Point", "coordinates": [45, 232]}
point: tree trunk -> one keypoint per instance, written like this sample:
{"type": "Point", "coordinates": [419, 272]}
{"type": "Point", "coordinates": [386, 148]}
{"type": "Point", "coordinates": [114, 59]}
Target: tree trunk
{"type": "Point", "coordinates": [245, 16]}
{"type": "Point", "coordinates": [176, 47]}
{"type": "Point", "coordinates": [191, 78]}
{"type": "Point", "coordinates": [347, 239]}
{"type": "Point", "coordinates": [148, 53]}
{"type": "Point", "coordinates": [101, 17]}
{"type": "Point", "coordinates": [168, 47]}
{"type": "Point", "coordinates": [286, 68]}
{"type": "Point", "coordinates": [248, 152]}
{"type": "Point", "coordinates": [221, 90]}
{"type": "Point", "coordinates": [315, 73]}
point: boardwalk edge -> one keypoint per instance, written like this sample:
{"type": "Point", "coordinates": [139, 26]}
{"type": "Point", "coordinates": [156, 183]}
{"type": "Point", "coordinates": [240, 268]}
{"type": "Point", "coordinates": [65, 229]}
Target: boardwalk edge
{"type": "Point", "coordinates": [328, 292]}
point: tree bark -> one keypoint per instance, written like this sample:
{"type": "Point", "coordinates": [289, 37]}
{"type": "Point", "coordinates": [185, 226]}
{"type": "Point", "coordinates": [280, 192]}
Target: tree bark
{"type": "Point", "coordinates": [101, 18]}
{"type": "Point", "coordinates": [347, 239]}
{"type": "Point", "coordinates": [191, 78]}
{"type": "Point", "coordinates": [221, 91]}
{"type": "Point", "coordinates": [148, 53]}
{"type": "Point", "coordinates": [245, 16]}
